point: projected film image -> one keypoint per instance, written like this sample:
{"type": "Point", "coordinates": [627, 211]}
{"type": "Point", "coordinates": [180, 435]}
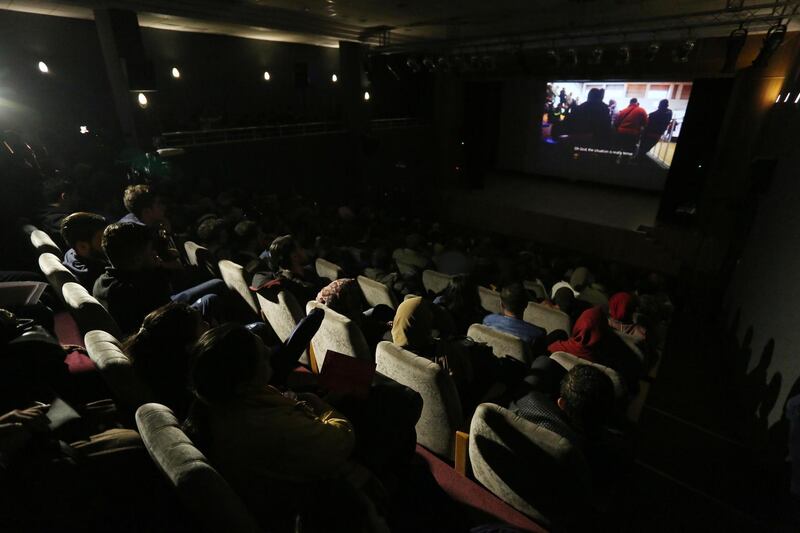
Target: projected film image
{"type": "Point", "coordinates": [616, 132]}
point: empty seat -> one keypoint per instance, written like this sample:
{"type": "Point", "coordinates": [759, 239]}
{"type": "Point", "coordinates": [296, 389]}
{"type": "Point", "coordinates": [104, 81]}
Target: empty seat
{"type": "Point", "coordinates": [44, 244]}
{"type": "Point", "coordinates": [328, 270]}
{"type": "Point", "coordinates": [441, 408]}
{"type": "Point", "coordinates": [55, 272]}
{"type": "Point", "coordinates": [283, 314]}
{"type": "Point", "coordinates": [490, 300]}
{"type": "Point", "coordinates": [547, 318]}
{"type": "Point", "coordinates": [206, 495]}
{"type": "Point", "coordinates": [533, 469]}
{"type": "Point", "coordinates": [339, 334]}
{"type": "Point", "coordinates": [87, 311]}
{"type": "Point", "coordinates": [435, 282]}
{"type": "Point", "coordinates": [502, 344]}
{"type": "Point", "coordinates": [233, 276]}
{"type": "Point", "coordinates": [536, 287]}
{"type": "Point", "coordinates": [567, 360]}
{"type": "Point", "coordinates": [376, 293]}
{"type": "Point", "coordinates": [106, 353]}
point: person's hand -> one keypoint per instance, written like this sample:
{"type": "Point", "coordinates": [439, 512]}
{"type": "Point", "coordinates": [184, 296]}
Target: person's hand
{"type": "Point", "coordinates": [33, 418]}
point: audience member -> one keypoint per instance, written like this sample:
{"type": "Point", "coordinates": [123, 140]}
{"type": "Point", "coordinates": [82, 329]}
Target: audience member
{"type": "Point", "coordinates": [83, 233]}
{"type": "Point", "coordinates": [291, 267]}
{"type": "Point", "coordinates": [144, 207]}
{"type": "Point", "coordinates": [513, 301]}
{"type": "Point", "coordinates": [621, 308]}
{"type": "Point", "coordinates": [61, 199]}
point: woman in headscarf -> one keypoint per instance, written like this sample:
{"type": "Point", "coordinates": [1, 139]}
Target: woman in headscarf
{"type": "Point", "coordinates": [587, 335]}
{"type": "Point", "coordinates": [412, 328]}
{"type": "Point", "coordinates": [621, 307]}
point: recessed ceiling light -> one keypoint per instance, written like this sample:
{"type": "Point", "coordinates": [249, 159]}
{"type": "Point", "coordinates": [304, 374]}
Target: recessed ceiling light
{"type": "Point", "coordinates": [142, 100]}
{"type": "Point", "coordinates": [84, 130]}
{"type": "Point", "coordinates": [366, 95]}
{"type": "Point", "coordinates": [176, 73]}
{"type": "Point", "coordinates": [267, 77]}
{"type": "Point", "coordinates": [334, 78]}
{"type": "Point", "coordinates": [43, 67]}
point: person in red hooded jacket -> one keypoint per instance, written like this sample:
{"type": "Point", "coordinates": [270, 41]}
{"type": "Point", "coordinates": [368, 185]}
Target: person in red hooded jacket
{"type": "Point", "coordinates": [629, 123]}
{"type": "Point", "coordinates": [621, 308]}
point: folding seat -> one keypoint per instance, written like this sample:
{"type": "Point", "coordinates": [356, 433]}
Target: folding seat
{"type": "Point", "coordinates": [87, 311]}
{"type": "Point", "coordinates": [42, 242]}
{"type": "Point", "coordinates": [233, 276]}
{"type": "Point", "coordinates": [594, 297]}
{"type": "Point", "coordinates": [55, 272]}
{"type": "Point", "coordinates": [376, 293]}
{"type": "Point", "coordinates": [435, 282]}
{"type": "Point", "coordinates": [199, 256]}
{"type": "Point", "coordinates": [441, 408]}
{"type": "Point", "coordinates": [106, 352]}
{"type": "Point", "coordinates": [283, 313]}
{"type": "Point", "coordinates": [547, 318]}
{"type": "Point", "coordinates": [208, 498]}
{"type": "Point", "coordinates": [490, 300]}
{"type": "Point", "coordinates": [339, 334]}
{"type": "Point", "coordinates": [328, 270]}
{"type": "Point", "coordinates": [533, 469]}
{"type": "Point", "coordinates": [536, 287]}
{"type": "Point", "coordinates": [502, 344]}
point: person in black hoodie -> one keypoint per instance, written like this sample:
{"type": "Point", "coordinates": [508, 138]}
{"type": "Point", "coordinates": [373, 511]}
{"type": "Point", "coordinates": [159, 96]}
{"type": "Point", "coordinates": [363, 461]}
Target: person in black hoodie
{"type": "Point", "coordinates": [135, 283]}
{"type": "Point", "coordinates": [83, 233]}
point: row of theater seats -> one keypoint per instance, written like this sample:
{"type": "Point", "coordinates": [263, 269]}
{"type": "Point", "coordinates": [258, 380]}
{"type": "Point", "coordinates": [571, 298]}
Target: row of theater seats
{"type": "Point", "coordinates": [205, 494]}
{"type": "Point", "coordinates": [441, 426]}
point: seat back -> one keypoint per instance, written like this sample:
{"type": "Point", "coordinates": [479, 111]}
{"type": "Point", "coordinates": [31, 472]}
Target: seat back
{"type": "Point", "coordinates": [42, 242]}
{"type": "Point", "coordinates": [490, 300]}
{"type": "Point", "coordinates": [282, 314]}
{"type": "Point", "coordinates": [337, 333]}
{"type": "Point", "coordinates": [191, 249]}
{"type": "Point", "coordinates": [502, 343]}
{"type": "Point", "coordinates": [328, 270]}
{"type": "Point", "coordinates": [567, 360]}
{"type": "Point", "coordinates": [233, 276]}
{"type": "Point", "coordinates": [531, 468]}
{"type": "Point", "coordinates": [205, 494]}
{"type": "Point", "coordinates": [55, 272]}
{"type": "Point", "coordinates": [376, 293]}
{"type": "Point", "coordinates": [536, 287]}
{"type": "Point", "coordinates": [547, 318]}
{"type": "Point", "coordinates": [117, 370]}
{"type": "Point", "coordinates": [87, 311]}
{"type": "Point", "coordinates": [594, 297]}
{"type": "Point", "coordinates": [435, 282]}
{"type": "Point", "coordinates": [441, 408]}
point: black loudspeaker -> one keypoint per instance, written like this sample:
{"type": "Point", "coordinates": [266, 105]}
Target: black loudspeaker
{"type": "Point", "coordinates": [300, 75]}
{"type": "Point", "coordinates": [128, 39]}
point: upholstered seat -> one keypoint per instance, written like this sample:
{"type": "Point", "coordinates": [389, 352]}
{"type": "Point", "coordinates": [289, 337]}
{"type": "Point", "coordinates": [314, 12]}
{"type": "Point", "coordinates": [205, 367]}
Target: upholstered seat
{"type": "Point", "coordinates": [106, 353]}
{"type": "Point", "coordinates": [339, 334]}
{"type": "Point", "coordinates": [87, 311]}
{"type": "Point", "coordinates": [533, 469]}
{"type": "Point", "coordinates": [233, 276]}
{"type": "Point", "coordinates": [536, 287]}
{"type": "Point", "coordinates": [200, 256]}
{"type": "Point", "coordinates": [547, 318]}
{"type": "Point", "coordinates": [283, 314]}
{"type": "Point", "coordinates": [502, 344]}
{"type": "Point", "coordinates": [490, 300]}
{"type": "Point", "coordinates": [42, 242]}
{"type": "Point", "coordinates": [435, 282]}
{"type": "Point", "coordinates": [328, 270]}
{"type": "Point", "coordinates": [441, 408]}
{"type": "Point", "coordinates": [207, 497]}
{"type": "Point", "coordinates": [376, 293]}
{"type": "Point", "coordinates": [55, 272]}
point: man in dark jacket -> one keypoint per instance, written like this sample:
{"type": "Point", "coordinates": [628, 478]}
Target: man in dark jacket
{"type": "Point", "coordinates": [83, 233]}
{"type": "Point", "coordinates": [135, 283]}
{"type": "Point", "coordinates": [590, 122]}
{"type": "Point", "coordinates": [657, 123]}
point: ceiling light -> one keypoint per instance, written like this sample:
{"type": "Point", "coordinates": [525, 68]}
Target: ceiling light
{"type": "Point", "coordinates": [428, 63]}
{"type": "Point", "coordinates": [623, 55]}
{"type": "Point", "coordinates": [797, 99]}
{"type": "Point", "coordinates": [84, 130]}
{"type": "Point", "coordinates": [176, 73]}
{"type": "Point", "coordinates": [266, 75]}
{"type": "Point", "coordinates": [552, 58]}
{"type": "Point", "coordinates": [596, 56]}
{"type": "Point", "coordinates": [570, 57]}
{"type": "Point", "coordinates": [787, 97]}
{"type": "Point", "coordinates": [413, 64]}
{"type": "Point", "coordinates": [772, 41]}
{"type": "Point", "coordinates": [778, 99]}
{"type": "Point", "coordinates": [682, 53]}
{"type": "Point", "coordinates": [43, 67]}
{"type": "Point", "coordinates": [142, 100]}
{"type": "Point", "coordinates": [334, 78]}
{"type": "Point", "coordinates": [366, 95]}
{"type": "Point", "coordinates": [652, 52]}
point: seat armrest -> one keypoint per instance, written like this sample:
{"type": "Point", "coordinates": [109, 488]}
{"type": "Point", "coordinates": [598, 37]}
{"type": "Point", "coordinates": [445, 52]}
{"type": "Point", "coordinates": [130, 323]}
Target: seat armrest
{"type": "Point", "coordinates": [461, 452]}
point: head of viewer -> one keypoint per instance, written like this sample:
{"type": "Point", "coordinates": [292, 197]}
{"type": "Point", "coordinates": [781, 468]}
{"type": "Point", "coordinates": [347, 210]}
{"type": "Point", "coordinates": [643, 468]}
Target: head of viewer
{"type": "Point", "coordinates": [587, 398]}
{"type": "Point", "coordinates": [83, 232]}
{"type": "Point", "coordinates": [513, 300]}
{"type": "Point", "coordinates": [145, 204]}
{"type": "Point", "coordinates": [287, 254]}
{"type": "Point", "coordinates": [229, 360]}
{"type": "Point", "coordinates": [129, 247]}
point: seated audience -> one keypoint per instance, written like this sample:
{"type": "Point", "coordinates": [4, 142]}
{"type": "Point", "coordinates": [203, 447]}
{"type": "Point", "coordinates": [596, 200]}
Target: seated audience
{"type": "Point", "coordinates": [135, 283]}
{"type": "Point", "coordinates": [344, 296]}
{"type": "Point", "coordinates": [564, 300]}
{"type": "Point", "coordinates": [621, 308]}
{"type": "Point", "coordinates": [513, 301]}
{"type": "Point", "coordinates": [83, 233]}
{"type": "Point", "coordinates": [412, 327]}
{"type": "Point", "coordinates": [61, 198]}
{"type": "Point", "coordinates": [582, 281]}
{"type": "Point", "coordinates": [291, 267]}
{"type": "Point", "coordinates": [144, 206]}
{"type": "Point", "coordinates": [453, 260]}
{"type": "Point", "coordinates": [588, 333]}
{"type": "Point", "coordinates": [412, 259]}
